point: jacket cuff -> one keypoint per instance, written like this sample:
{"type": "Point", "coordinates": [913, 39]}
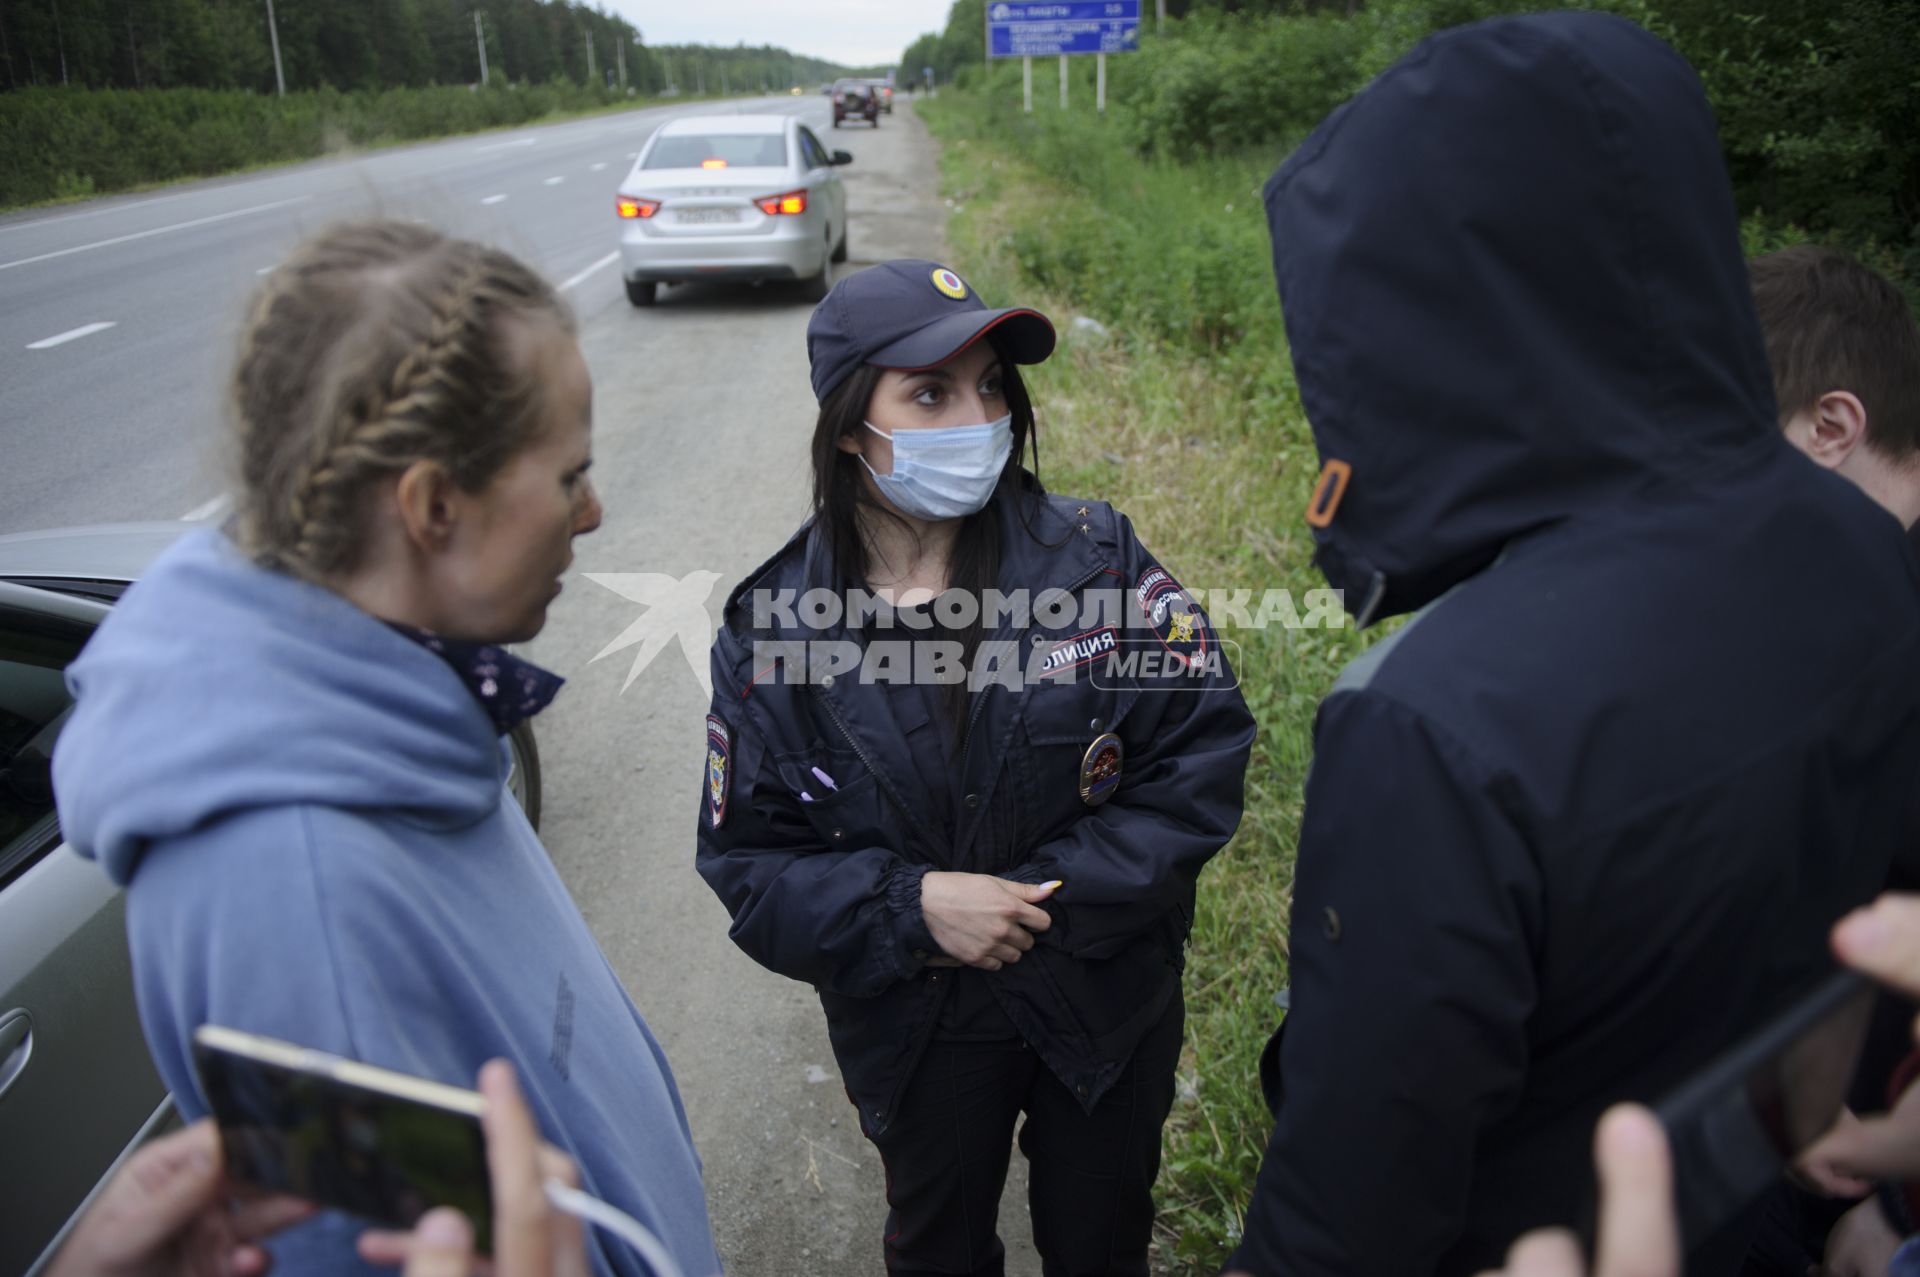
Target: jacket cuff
{"type": "Point", "coordinates": [916, 943]}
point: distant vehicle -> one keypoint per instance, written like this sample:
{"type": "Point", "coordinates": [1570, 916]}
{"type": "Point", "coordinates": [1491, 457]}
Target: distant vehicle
{"type": "Point", "coordinates": [77, 1087]}
{"type": "Point", "coordinates": [855, 100]}
{"type": "Point", "coordinates": [884, 92]}
{"type": "Point", "coordinates": [795, 90]}
{"type": "Point", "coordinates": [745, 197]}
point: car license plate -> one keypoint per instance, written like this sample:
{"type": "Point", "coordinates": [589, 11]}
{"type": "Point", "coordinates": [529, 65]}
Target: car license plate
{"type": "Point", "coordinates": [707, 216]}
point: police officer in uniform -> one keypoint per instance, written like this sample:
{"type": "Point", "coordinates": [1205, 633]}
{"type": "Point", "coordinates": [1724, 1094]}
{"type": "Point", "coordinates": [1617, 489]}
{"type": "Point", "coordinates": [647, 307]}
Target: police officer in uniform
{"type": "Point", "coordinates": [989, 881]}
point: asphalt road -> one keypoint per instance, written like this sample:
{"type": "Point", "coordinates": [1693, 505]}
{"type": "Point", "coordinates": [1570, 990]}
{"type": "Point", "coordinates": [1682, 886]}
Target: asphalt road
{"type": "Point", "coordinates": [125, 422]}
{"type": "Point", "coordinates": [702, 417]}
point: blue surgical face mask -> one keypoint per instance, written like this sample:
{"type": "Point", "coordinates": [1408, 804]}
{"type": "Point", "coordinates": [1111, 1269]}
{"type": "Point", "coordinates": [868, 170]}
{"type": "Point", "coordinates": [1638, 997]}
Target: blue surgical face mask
{"type": "Point", "coordinates": [944, 473]}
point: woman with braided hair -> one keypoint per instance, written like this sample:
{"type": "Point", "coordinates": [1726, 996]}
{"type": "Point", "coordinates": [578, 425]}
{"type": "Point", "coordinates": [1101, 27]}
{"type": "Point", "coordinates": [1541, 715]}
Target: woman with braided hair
{"type": "Point", "coordinates": [287, 738]}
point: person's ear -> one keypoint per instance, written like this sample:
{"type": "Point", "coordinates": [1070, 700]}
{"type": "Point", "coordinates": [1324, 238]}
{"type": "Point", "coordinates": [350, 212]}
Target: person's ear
{"type": "Point", "coordinates": [425, 497]}
{"type": "Point", "coordinates": [1836, 425]}
{"type": "Point", "coordinates": [849, 443]}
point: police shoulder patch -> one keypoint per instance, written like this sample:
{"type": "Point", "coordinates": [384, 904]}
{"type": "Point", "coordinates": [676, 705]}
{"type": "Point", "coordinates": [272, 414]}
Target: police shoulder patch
{"type": "Point", "coordinates": [1172, 613]}
{"type": "Point", "coordinates": [719, 769]}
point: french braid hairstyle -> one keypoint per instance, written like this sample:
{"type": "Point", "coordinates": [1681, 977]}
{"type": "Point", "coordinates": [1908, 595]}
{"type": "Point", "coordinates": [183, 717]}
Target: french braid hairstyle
{"type": "Point", "coordinates": [376, 345]}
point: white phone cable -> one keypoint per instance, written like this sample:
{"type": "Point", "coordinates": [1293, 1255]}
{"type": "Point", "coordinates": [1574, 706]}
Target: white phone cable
{"type": "Point", "coordinates": [616, 1221]}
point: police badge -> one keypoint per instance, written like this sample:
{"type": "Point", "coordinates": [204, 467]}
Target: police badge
{"type": "Point", "coordinates": [1100, 769]}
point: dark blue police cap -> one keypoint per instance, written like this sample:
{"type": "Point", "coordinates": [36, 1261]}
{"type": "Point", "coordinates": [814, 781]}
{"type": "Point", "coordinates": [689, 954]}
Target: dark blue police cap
{"type": "Point", "coordinates": [908, 315]}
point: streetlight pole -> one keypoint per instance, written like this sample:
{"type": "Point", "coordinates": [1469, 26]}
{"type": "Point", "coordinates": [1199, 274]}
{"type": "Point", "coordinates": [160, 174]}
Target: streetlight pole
{"type": "Point", "coordinates": [273, 34]}
{"type": "Point", "coordinates": [480, 39]}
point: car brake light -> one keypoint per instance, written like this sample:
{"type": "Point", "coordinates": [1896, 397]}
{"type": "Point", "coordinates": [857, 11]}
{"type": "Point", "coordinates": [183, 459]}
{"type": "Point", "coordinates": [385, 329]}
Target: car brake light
{"type": "Point", "coordinates": [713, 163]}
{"type": "Point", "coordinates": [631, 206]}
{"type": "Point", "coordinates": [839, 97]}
{"type": "Point", "coordinates": [791, 202]}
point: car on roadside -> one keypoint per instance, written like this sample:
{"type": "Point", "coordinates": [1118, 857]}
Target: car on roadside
{"type": "Point", "coordinates": [855, 100]}
{"type": "Point", "coordinates": [883, 94]}
{"type": "Point", "coordinates": [78, 1090]}
{"type": "Point", "coordinates": [732, 197]}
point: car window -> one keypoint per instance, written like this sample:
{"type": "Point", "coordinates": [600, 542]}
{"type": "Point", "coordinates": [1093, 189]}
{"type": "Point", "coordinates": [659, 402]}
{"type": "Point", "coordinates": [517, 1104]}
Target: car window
{"type": "Point", "coordinates": [34, 704]}
{"type": "Point", "coordinates": [814, 153]}
{"type": "Point", "coordinates": [718, 150]}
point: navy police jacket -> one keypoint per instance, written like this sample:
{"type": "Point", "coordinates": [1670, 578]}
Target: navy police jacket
{"type": "Point", "coordinates": [1587, 818]}
{"type": "Point", "coordinates": [828, 890]}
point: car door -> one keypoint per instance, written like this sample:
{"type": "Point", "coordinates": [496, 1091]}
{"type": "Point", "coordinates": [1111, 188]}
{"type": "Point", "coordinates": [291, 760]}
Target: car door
{"type": "Point", "coordinates": [825, 178]}
{"type": "Point", "coordinates": [77, 1086]}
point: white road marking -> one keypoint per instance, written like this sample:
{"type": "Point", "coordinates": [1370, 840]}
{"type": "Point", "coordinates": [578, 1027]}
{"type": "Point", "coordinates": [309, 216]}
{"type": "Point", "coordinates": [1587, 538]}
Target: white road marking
{"type": "Point", "coordinates": [604, 262]}
{"type": "Point", "coordinates": [555, 181]}
{"type": "Point", "coordinates": [218, 506]}
{"type": "Point", "coordinates": [268, 270]}
{"type": "Point", "coordinates": [493, 199]}
{"type": "Point", "coordinates": [598, 167]}
{"type": "Point", "coordinates": [72, 334]}
{"type": "Point", "coordinates": [506, 146]}
{"type": "Point", "coordinates": [158, 230]}
{"type": "Point", "coordinates": [97, 212]}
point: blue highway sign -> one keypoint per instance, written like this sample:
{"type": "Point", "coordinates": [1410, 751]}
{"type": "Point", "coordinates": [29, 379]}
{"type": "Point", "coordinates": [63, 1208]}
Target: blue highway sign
{"type": "Point", "coordinates": [1044, 28]}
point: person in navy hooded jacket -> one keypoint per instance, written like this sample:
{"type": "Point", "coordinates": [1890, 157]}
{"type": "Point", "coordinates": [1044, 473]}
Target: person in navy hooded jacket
{"type": "Point", "coordinates": [988, 877]}
{"type": "Point", "coordinates": [287, 745]}
{"type": "Point", "coordinates": [1587, 817]}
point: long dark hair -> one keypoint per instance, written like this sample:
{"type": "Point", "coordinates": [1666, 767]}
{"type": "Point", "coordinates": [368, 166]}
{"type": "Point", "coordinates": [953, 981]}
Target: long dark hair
{"type": "Point", "coordinates": [841, 500]}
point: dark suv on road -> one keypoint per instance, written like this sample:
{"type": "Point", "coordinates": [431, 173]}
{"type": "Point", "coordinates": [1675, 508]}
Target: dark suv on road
{"type": "Point", "coordinates": [855, 100]}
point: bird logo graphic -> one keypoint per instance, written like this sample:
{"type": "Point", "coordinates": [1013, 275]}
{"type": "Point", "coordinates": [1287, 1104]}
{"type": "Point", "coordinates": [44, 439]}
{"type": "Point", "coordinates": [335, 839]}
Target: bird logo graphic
{"type": "Point", "coordinates": [676, 607]}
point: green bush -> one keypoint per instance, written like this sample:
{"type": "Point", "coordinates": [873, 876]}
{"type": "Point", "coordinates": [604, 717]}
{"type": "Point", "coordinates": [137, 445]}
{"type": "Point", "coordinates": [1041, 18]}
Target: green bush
{"type": "Point", "coordinates": [1225, 83]}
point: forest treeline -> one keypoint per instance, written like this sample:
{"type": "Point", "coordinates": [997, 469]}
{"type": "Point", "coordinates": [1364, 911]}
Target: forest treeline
{"type": "Point", "coordinates": [103, 95]}
{"type": "Point", "coordinates": [352, 45]}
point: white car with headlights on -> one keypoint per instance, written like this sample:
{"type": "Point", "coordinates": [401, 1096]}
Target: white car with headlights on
{"type": "Point", "coordinates": [742, 197]}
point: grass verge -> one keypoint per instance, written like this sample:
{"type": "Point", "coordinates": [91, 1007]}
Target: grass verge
{"type": "Point", "coordinates": [1184, 414]}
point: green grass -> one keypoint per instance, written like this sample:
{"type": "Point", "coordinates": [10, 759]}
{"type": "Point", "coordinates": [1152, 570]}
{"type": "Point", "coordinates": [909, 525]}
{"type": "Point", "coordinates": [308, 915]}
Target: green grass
{"type": "Point", "coordinates": [1186, 417]}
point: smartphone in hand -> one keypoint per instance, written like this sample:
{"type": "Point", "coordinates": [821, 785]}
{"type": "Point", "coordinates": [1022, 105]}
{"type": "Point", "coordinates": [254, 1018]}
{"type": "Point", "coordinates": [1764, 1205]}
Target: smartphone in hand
{"type": "Point", "coordinates": [1737, 1124]}
{"type": "Point", "coordinates": [382, 1145]}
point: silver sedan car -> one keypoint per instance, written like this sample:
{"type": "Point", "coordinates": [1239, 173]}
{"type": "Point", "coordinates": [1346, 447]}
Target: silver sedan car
{"type": "Point", "coordinates": [743, 197]}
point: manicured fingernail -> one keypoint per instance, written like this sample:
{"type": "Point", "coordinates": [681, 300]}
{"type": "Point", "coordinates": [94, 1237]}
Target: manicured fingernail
{"type": "Point", "coordinates": [1051, 886]}
{"type": "Point", "coordinates": [442, 1227]}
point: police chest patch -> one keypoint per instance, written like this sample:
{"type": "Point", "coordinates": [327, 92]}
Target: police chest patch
{"type": "Point", "coordinates": [1172, 613]}
{"type": "Point", "coordinates": [1079, 650]}
{"type": "Point", "coordinates": [719, 769]}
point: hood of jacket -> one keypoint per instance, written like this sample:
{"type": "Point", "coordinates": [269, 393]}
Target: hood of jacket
{"type": "Point", "coordinates": [1514, 293]}
{"type": "Point", "coordinates": [216, 686]}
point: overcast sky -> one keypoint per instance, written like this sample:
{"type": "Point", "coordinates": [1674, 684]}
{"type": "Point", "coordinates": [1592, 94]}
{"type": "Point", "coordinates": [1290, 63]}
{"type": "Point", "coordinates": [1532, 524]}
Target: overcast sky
{"type": "Point", "coordinates": [850, 32]}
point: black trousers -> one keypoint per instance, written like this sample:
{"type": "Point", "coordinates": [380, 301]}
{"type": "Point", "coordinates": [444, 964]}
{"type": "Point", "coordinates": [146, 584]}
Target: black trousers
{"type": "Point", "coordinates": [1090, 1176]}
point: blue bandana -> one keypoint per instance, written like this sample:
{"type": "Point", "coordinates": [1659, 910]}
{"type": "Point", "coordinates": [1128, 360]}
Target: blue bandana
{"type": "Point", "coordinates": [509, 689]}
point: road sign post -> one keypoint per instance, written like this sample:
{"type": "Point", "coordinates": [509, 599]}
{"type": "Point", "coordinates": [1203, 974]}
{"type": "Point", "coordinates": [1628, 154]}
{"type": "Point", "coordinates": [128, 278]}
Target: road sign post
{"type": "Point", "coordinates": [1039, 28]}
{"type": "Point", "coordinates": [1063, 82]}
{"type": "Point", "coordinates": [1100, 82]}
{"type": "Point", "coordinates": [1026, 82]}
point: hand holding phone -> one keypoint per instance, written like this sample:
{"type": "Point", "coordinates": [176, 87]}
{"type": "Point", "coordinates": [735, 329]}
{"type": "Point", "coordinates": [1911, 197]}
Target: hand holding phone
{"type": "Point", "coordinates": [368, 1141]}
{"type": "Point", "coordinates": [1736, 1124]}
{"type": "Point", "coordinates": [399, 1150]}
{"type": "Point", "coordinates": [534, 1240]}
